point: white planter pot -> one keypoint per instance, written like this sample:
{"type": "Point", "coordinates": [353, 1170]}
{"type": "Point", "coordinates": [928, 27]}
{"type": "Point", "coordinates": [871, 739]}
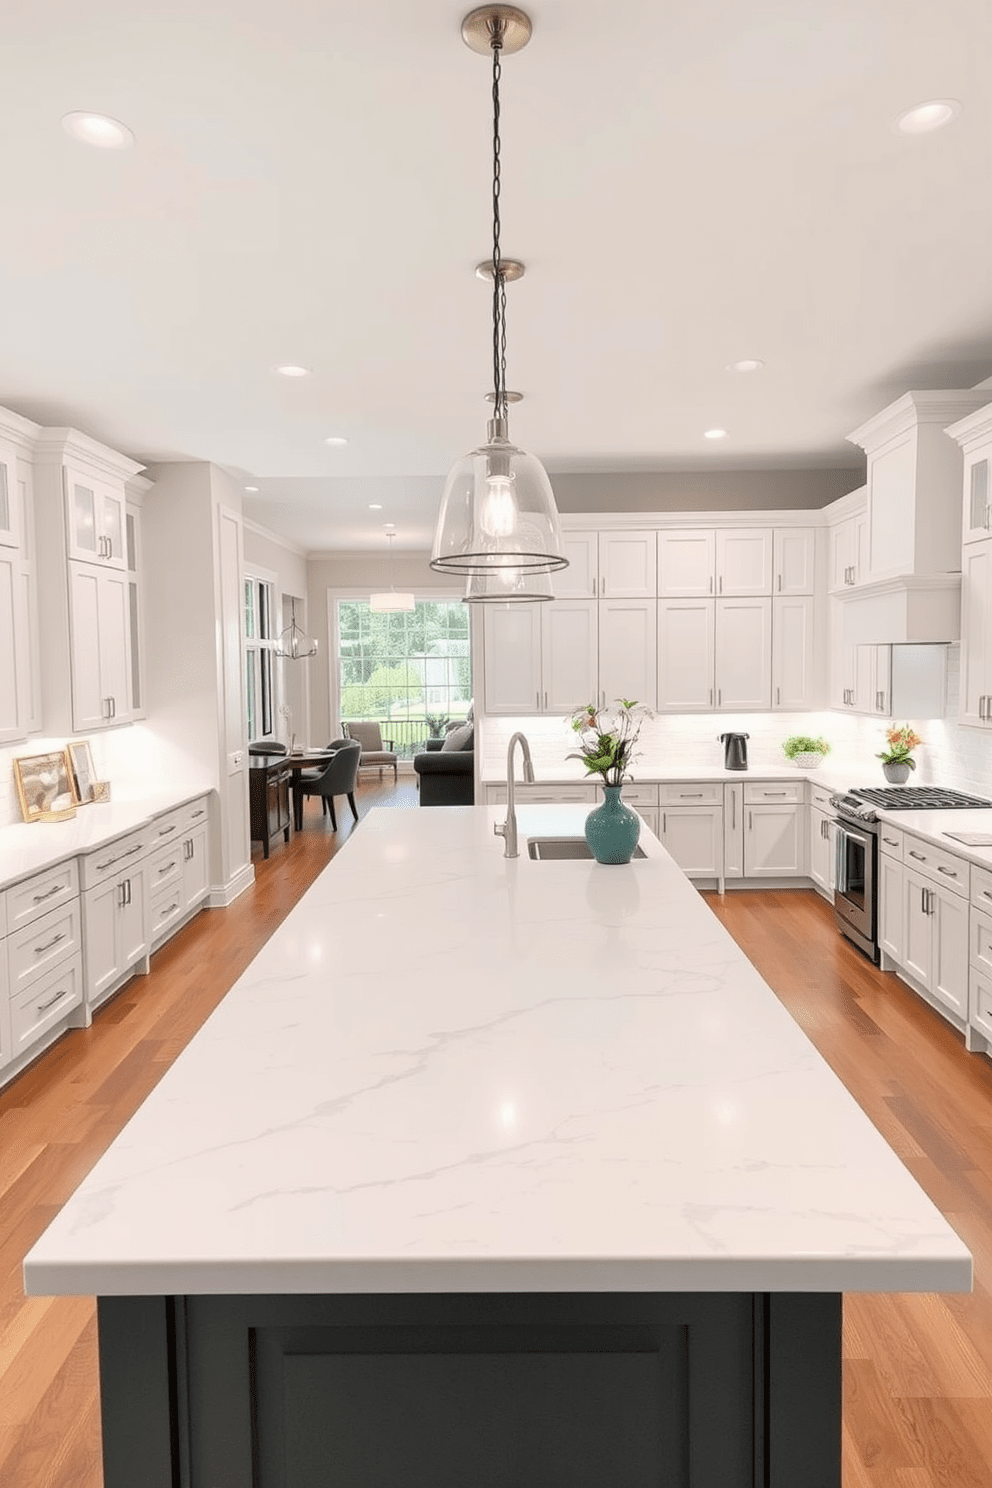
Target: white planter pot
{"type": "Point", "coordinates": [808, 760]}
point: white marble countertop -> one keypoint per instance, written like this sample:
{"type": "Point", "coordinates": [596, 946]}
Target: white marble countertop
{"type": "Point", "coordinates": [449, 1071]}
{"type": "Point", "coordinates": [933, 826]}
{"type": "Point", "coordinates": [646, 772]}
{"type": "Point", "coordinates": [30, 847]}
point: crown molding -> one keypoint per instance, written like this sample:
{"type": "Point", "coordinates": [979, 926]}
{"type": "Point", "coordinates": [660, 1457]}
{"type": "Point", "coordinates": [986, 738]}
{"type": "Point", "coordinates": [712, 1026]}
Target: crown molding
{"type": "Point", "coordinates": [54, 446]}
{"type": "Point", "coordinates": [939, 406]}
{"type": "Point", "coordinates": [973, 430]}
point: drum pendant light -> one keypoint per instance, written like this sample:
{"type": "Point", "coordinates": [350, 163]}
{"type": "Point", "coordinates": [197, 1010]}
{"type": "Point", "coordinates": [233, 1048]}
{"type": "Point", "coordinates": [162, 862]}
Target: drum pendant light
{"type": "Point", "coordinates": [498, 509]}
{"type": "Point", "coordinates": [391, 603]}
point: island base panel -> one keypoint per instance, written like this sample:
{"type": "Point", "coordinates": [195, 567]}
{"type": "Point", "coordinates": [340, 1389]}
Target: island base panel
{"type": "Point", "coordinates": [689, 1390]}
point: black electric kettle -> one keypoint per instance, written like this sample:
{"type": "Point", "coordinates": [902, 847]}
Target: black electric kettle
{"type": "Point", "coordinates": [734, 751]}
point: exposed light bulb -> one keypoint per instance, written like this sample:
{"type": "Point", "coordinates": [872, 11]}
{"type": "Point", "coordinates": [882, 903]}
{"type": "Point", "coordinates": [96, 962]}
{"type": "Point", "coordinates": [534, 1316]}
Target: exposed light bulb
{"type": "Point", "coordinates": [499, 507]}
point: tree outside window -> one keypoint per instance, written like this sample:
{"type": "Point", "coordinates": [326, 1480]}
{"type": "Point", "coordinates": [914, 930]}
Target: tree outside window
{"type": "Point", "coordinates": [410, 671]}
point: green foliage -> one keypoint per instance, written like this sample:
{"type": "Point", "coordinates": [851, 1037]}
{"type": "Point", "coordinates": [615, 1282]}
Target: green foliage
{"type": "Point", "coordinates": [385, 686]}
{"type": "Point", "coordinates": [607, 743]}
{"type": "Point", "coordinates": [801, 744]}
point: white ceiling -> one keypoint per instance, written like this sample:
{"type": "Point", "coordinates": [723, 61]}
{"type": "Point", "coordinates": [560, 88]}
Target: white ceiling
{"type": "Point", "coordinates": [688, 184]}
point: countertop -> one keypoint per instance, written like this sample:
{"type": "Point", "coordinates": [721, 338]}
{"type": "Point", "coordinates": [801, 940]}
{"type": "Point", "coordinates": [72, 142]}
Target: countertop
{"type": "Point", "coordinates": [449, 1071]}
{"type": "Point", "coordinates": [933, 826]}
{"type": "Point", "coordinates": [30, 847]}
{"type": "Point", "coordinates": [646, 772]}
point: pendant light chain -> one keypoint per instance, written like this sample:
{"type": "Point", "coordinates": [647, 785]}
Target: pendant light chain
{"type": "Point", "coordinates": [499, 281]}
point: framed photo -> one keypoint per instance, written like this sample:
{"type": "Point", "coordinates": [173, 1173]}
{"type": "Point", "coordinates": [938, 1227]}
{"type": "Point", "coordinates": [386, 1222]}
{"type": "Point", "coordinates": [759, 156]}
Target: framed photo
{"type": "Point", "coordinates": [44, 785]}
{"type": "Point", "coordinates": [81, 769]}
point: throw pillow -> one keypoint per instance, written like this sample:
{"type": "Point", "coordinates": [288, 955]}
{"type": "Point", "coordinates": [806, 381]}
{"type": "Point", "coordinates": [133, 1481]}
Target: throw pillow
{"type": "Point", "coordinates": [458, 738]}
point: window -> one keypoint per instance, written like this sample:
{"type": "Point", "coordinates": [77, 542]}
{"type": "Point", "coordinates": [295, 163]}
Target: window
{"type": "Point", "coordinates": [260, 643]}
{"type": "Point", "coordinates": [411, 672]}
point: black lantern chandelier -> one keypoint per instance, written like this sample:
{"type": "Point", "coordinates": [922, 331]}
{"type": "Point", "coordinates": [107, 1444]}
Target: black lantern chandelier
{"type": "Point", "coordinates": [498, 521]}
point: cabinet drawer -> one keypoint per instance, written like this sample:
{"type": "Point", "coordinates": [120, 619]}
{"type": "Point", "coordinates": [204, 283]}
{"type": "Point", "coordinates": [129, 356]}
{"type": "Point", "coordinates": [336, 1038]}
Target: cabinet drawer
{"type": "Point", "coordinates": [980, 1002]}
{"type": "Point", "coordinates": [165, 866]}
{"type": "Point", "coordinates": [543, 795]}
{"type": "Point", "coordinates": [981, 942]}
{"type": "Point", "coordinates": [820, 798]}
{"type": "Point", "coordinates": [981, 888]}
{"type": "Point", "coordinates": [942, 867]}
{"type": "Point", "coordinates": [692, 793]}
{"type": "Point", "coordinates": [33, 897]}
{"type": "Point", "coordinates": [167, 907]}
{"type": "Point", "coordinates": [775, 793]}
{"type": "Point", "coordinates": [890, 842]}
{"type": "Point", "coordinates": [33, 951]}
{"type": "Point", "coordinates": [113, 859]}
{"type": "Point", "coordinates": [38, 1008]}
{"type": "Point", "coordinates": [640, 795]}
{"type": "Point", "coordinates": [195, 812]}
{"type": "Point", "coordinates": [166, 828]}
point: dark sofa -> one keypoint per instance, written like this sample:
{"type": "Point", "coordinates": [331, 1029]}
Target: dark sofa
{"type": "Point", "coordinates": [446, 776]}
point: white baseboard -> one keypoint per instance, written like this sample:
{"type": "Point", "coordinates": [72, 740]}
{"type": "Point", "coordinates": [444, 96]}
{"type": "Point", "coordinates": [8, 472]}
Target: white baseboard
{"type": "Point", "coordinates": [223, 895]}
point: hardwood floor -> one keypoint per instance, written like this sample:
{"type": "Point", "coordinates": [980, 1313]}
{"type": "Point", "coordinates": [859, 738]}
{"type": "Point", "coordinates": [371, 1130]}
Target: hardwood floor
{"type": "Point", "coordinates": [918, 1370]}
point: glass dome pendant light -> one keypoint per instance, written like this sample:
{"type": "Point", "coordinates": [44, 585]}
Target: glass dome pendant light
{"type": "Point", "coordinates": [294, 643]}
{"type": "Point", "coordinates": [391, 603]}
{"type": "Point", "coordinates": [498, 509]}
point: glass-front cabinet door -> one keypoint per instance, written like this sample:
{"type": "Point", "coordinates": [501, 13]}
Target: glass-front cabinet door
{"type": "Point", "coordinates": [95, 520]}
{"type": "Point", "coordinates": [10, 534]}
{"type": "Point", "coordinates": [977, 497]}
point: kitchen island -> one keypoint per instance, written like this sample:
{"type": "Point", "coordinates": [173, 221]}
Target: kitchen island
{"type": "Point", "coordinates": [490, 1171]}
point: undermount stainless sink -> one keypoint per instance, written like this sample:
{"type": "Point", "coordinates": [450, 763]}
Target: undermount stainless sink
{"type": "Point", "coordinates": [551, 849]}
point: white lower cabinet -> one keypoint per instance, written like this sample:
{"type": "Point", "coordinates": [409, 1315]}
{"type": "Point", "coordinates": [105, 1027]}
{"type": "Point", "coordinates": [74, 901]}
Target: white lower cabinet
{"type": "Point", "coordinates": [694, 837]}
{"type": "Point", "coordinates": [891, 907]}
{"type": "Point", "coordinates": [935, 948]}
{"type": "Point", "coordinates": [41, 983]}
{"type": "Point", "coordinates": [116, 920]}
{"type": "Point", "coordinates": [774, 841]}
{"type": "Point", "coordinates": [733, 831]}
{"type": "Point", "coordinates": [822, 862]}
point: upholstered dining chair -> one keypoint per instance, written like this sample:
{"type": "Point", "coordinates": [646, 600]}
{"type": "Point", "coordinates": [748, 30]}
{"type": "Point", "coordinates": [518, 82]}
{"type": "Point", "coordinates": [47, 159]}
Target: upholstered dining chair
{"type": "Point", "coordinates": [268, 746]}
{"type": "Point", "coordinates": [375, 749]}
{"type": "Point", "coordinates": [336, 778]}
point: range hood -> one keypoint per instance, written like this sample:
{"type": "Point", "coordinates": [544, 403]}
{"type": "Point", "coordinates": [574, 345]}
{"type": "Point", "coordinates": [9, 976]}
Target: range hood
{"type": "Point", "coordinates": [912, 590]}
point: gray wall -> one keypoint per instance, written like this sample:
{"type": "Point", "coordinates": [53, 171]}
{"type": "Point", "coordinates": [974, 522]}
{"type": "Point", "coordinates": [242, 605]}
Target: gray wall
{"type": "Point", "coordinates": [705, 490]}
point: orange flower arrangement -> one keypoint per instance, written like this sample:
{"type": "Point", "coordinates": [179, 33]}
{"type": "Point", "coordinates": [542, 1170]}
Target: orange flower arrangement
{"type": "Point", "coordinates": [901, 741]}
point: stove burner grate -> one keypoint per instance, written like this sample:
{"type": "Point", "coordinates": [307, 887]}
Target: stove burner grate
{"type": "Point", "coordinates": [917, 798]}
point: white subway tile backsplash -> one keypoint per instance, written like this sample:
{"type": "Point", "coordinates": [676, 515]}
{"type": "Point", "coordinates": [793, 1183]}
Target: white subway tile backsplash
{"type": "Point", "coordinates": [953, 756]}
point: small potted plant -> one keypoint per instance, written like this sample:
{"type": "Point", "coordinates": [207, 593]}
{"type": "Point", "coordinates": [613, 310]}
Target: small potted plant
{"type": "Point", "coordinates": [806, 752]}
{"type": "Point", "coordinates": [897, 759]}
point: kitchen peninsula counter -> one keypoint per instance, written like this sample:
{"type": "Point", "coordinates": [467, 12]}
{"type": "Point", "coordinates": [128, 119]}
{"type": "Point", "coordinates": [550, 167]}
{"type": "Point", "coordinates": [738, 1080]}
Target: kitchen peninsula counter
{"type": "Point", "coordinates": [485, 1110]}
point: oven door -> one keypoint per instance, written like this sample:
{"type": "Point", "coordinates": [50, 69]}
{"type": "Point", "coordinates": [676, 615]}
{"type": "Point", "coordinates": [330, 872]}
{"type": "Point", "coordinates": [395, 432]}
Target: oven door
{"type": "Point", "coordinates": [854, 897]}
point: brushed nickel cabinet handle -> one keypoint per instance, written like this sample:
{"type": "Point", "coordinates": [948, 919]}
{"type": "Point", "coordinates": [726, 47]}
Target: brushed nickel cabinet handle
{"type": "Point", "coordinates": [920, 857]}
{"type": "Point", "coordinates": [42, 1007]}
{"type": "Point", "coordinates": [166, 831]}
{"type": "Point", "coordinates": [39, 898]}
{"type": "Point", "coordinates": [949, 871]}
{"type": "Point", "coordinates": [168, 868]}
{"type": "Point", "coordinates": [39, 950]}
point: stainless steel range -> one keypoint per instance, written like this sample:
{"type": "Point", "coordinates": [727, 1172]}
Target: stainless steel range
{"type": "Point", "coordinates": [856, 890]}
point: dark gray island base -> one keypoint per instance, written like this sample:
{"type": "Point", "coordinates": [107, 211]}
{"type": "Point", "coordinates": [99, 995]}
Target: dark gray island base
{"type": "Point", "coordinates": [492, 1390]}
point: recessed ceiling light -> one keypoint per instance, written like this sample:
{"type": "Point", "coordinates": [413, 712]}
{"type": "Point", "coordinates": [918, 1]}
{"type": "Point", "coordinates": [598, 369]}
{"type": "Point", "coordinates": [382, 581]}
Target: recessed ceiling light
{"type": "Point", "coordinates": [389, 526]}
{"type": "Point", "coordinates": [747, 364]}
{"type": "Point", "coordinates": [715, 434]}
{"type": "Point", "coordinates": [251, 488]}
{"type": "Point", "coordinates": [375, 506]}
{"type": "Point", "coordinates": [97, 129]}
{"type": "Point", "coordinates": [290, 370]}
{"type": "Point", "coordinates": [926, 117]}
{"type": "Point", "coordinates": [335, 439]}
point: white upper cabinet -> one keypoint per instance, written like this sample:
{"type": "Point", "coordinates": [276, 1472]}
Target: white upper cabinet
{"type": "Point", "coordinates": [744, 654]}
{"type": "Point", "coordinates": [794, 560]}
{"type": "Point", "coordinates": [95, 511]}
{"type": "Point", "coordinates": [100, 631]}
{"type": "Point", "coordinates": [849, 551]}
{"type": "Point", "coordinates": [580, 580]}
{"type": "Point", "coordinates": [512, 668]}
{"type": "Point", "coordinates": [793, 655]}
{"type": "Point", "coordinates": [628, 651]}
{"type": "Point", "coordinates": [628, 565]}
{"type": "Point", "coordinates": [570, 648]}
{"type": "Point", "coordinates": [10, 506]}
{"type": "Point", "coordinates": [977, 498]}
{"type": "Point", "coordinates": [687, 563]}
{"type": "Point", "coordinates": [976, 634]}
{"type": "Point", "coordinates": [744, 560]}
{"type": "Point", "coordinates": [686, 643]}
{"type": "Point", "coordinates": [914, 483]}
{"type": "Point", "coordinates": [11, 647]}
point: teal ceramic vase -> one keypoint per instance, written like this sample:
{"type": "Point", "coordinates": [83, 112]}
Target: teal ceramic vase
{"type": "Point", "coordinates": [612, 829]}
